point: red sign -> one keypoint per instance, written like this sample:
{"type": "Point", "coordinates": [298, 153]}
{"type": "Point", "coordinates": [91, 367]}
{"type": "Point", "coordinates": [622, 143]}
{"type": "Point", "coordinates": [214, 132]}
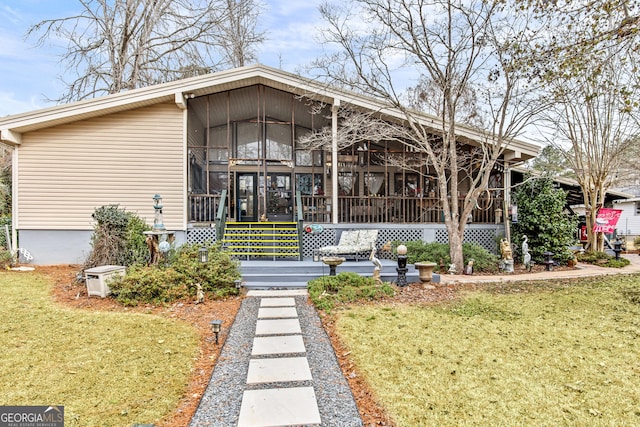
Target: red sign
{"type": "Point", "coordinates": [583, 234]}
{"type": "Point", "coordinates": [606, 220]}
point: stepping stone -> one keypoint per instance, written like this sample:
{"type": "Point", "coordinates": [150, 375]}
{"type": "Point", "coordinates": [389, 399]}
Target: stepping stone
{"type": "Point", "coordinates": [277, 312]}
{"type": "Point", "coordinates": [278, 345]}
{"type": "Point", "coordinates": [277, 302]}
{"type": "Point", "coordinates": [279, 407]}
{"type": "Point", "coordinates": [278, 293]}
{"type": "Point", "coordinates": [278, 326]}
{"type": "Point", "coordinates": [281, 369]}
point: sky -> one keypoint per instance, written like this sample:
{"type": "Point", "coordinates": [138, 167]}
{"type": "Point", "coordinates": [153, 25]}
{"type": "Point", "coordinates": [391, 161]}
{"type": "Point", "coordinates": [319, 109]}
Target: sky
{"type": "Point", "coordinates": [30, 74]}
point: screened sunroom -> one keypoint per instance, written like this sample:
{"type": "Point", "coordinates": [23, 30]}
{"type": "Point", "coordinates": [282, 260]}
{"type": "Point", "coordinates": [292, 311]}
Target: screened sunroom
{"type": "Point", "coordinates": [245, 141]}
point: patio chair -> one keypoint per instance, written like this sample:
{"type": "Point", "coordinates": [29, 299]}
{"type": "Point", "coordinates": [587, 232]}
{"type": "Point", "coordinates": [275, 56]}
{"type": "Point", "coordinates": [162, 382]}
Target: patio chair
{"type": "Point", "coordinates": [353, 243]}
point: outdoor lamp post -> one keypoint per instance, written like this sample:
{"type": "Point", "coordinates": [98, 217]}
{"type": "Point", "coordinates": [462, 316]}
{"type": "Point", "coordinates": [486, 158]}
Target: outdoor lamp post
{"type": "Point", "coordinates": [203, 254]}
{"type": "Point", "coordinates": [401, 250]}
{"type": "Point", "coordinates": [216, 325]}
{"type": "Point", "coordinates": [548, 260]}
{"type": "Point", "coordinates": [617, 248]}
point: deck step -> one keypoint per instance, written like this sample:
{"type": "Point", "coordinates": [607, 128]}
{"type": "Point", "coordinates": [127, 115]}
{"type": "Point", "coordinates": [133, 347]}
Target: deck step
{"type": "Point", "coordinates": [265, 273]}
{"type": "Point", "coordinates": [262, 240]}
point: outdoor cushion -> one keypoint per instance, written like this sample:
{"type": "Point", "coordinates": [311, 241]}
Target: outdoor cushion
{"type": "Point", "coordinates": [352, 242]}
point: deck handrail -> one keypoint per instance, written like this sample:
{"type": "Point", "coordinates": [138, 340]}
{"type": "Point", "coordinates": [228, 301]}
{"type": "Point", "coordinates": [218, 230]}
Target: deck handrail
{"type": "Point", "coordinates": [221, 215]}
{"type": "Point", "coordinates": [300, 217]}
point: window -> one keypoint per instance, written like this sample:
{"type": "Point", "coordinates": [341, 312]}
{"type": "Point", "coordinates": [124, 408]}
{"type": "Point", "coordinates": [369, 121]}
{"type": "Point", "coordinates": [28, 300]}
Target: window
{"type": "Point", "coordinates": [218, 152]}
{"type": "Point", "coordinates": [347, 183]}
{"type": "Point", "coordinates": [637, 208]}
{"type": "Point", "coordinates": [197, 172]}
{"type": "Point", "coordinates": [407, 185]}
{"type": "Point", "coordinates": [309, 184]}
{"type": "Point", "coordinates": [374, 183]}
{"type": "Point", "coordinates": [279, 146]}
{"type": "Point", "coordinates": [247, 139]}
{"type": "Point", "coordinates": [218, 181]}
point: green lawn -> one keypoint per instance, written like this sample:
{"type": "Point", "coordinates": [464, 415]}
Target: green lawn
{"type": "Point", "coordinates": [542, 354]}
{"type": "Point", "coordinates": [107, 369]}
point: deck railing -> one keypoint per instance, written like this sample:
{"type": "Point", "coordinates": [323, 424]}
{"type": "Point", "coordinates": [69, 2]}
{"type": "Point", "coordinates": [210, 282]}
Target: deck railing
{"type": "Point", "coordinates": [390, 209]}
{"type": "Point", "coordinates": [359, 209]}
{"type": "Point", "coordinates": [203, 207]}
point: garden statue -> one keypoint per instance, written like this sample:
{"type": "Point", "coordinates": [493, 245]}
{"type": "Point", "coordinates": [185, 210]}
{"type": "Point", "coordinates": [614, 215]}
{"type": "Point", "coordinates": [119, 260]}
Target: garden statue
{"type": "Point", "coordinates": [154, 249]}
{"type": "Point", "coordinates": [468, 270]}
{"type": "Point", "coordinates": [452, 269]}
{"type": "Point", "coordinates": [199, 294]}
{"type": "Point", "coordinates": [507, 256]}
{"type": "Point", "coordinates": [158, 239]}
{"type": "Point", "coordinates": [526, 256]}
{"type": "Point", "coordinates": [505, 249]}
{"type": "Point", "coordinates": [377, 265]}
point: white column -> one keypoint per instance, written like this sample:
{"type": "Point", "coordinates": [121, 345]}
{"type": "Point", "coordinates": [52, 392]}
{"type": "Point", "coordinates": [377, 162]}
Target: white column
{"type": "Point", "coordinates": [334, 160]}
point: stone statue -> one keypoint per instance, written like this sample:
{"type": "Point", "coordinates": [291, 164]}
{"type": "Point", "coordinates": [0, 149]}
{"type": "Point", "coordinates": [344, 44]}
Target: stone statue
{"type": "Point", "coordinates": [452, 269]}
{"type": "Point", "coordinates": [505, 249]}
{"type": "Point", "coordinates": [468, 270]}
{"type": "Point", "coordinates": [377, 265]}
{"type": "Point", "coordinates": [154, 249]}
{"type": "Point", "coordinates": [199, 294]}
{"type": "Point", "coordinates": [526, 256]}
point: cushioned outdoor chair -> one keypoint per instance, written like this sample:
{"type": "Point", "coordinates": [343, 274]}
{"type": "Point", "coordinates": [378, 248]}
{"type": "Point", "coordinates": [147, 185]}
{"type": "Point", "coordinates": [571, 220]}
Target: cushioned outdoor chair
{"type": "Point", "coordinates": [353, 243]}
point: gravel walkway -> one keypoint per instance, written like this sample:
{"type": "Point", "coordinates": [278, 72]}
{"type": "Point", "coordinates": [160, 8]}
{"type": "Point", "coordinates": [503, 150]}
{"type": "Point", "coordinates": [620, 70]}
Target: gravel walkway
{"type": "Point", "coordinates": [221, 402]}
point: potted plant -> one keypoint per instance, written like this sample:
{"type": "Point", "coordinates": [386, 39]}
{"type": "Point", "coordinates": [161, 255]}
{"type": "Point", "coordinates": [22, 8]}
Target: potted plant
{"type": "Point", "coordinates": [425, 269]}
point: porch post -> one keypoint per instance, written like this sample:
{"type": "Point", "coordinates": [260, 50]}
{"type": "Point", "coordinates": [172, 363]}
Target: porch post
{"type": "Point", "coordinates": [334, 160]}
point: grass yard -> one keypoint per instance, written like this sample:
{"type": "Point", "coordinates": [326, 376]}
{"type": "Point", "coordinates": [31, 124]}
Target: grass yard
{"type": "Point", "coordinates": [106, 368]}
{"type": "Point", "coordinates": [538, 354]}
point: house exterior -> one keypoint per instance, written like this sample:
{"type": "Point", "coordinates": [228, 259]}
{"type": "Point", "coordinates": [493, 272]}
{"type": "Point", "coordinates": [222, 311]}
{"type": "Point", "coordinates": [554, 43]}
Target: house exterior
{"type": "Point", "coordinates": [223, 147]}
{"type": "Point", "coordinates": [629, 221]}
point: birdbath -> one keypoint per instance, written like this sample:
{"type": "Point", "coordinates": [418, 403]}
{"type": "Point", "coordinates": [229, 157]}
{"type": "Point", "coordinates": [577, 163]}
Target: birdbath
{"type": "Point", "coordinates": [332, 262]}
{"type": "Point", "coordinates": [425, 269]}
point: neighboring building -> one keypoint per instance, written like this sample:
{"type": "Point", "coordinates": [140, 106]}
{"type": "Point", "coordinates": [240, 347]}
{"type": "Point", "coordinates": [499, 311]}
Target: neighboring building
{"type": "Point", "coordinates": [223, 142]}
{"type": "Point", "coordinates": [629, 222]}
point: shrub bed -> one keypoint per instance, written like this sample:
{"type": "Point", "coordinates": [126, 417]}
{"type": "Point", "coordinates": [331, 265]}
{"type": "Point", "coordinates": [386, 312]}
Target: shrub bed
{"type": "Point", "coordinates": [483, 260]}
{"type": "Point", "coordinates": [328, 291]}
{"type": "Point", "coordinates": [603, 259]}
{"type": "Point", "coordinates": [176, 279]}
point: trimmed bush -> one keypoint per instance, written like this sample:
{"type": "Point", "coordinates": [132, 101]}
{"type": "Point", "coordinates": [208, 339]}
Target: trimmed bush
{"type": "Point", "coordinates": [603, 259]}
{"type": "Point", "coordinates": [542, 219]}
{"type": "Point", "coordinates": [328, 291]}
{"type": "Point", "coordinates": [176, 280]}
{"type": "Point", "coordinates": [483, 260]}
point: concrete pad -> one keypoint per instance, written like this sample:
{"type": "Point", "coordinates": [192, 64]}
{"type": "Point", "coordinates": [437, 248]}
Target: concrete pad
{"type": "Point", "coordinates": [278, 345]}
{"type": "Point", "coordinates": [279, 407]}
{"type": "Point", "coordinates": [277, 312]}
{"type": "Point", "coordinates": [277, 302]}
{"type": "Point", "coordinates": [281, 369]}
{"type": "Point", "coordinates": [278, 293]}
{"type": "Point", "coordinates": [278, 326]}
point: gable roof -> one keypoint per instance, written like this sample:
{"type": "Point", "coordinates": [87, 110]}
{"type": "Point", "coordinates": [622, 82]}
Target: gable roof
{"type": "Point", "coordinates": [11, 127]}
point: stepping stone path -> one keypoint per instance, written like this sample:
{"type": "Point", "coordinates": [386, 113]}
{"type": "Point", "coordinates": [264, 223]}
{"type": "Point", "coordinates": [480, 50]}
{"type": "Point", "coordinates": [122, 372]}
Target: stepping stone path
{"type": "Point", "coordinates": [277, 368]}
{"type": "Point", "coordinates": [278, 358]}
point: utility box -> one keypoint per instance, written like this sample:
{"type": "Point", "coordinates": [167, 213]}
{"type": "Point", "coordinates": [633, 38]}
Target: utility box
{"type": "Point", "coordinates": [97, 277]}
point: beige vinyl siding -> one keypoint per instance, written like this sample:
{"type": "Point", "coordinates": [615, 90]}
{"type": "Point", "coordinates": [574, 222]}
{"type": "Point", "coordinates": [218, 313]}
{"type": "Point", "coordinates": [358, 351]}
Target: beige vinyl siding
{"type": "Point", "coordinates": [65, 172]}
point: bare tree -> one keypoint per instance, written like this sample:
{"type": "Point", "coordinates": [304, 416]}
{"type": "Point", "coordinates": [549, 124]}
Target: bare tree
{"type": "Point", "coordinates": [116, 45]}
{"type": "Point", "coordinates": [237, 35]}
{"type": "Point", "coordinates": [593, 124]}
{"type": "Point", "coordinates": [588, 67]}
{"type": "Point", "coordinates": [460, 49]}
